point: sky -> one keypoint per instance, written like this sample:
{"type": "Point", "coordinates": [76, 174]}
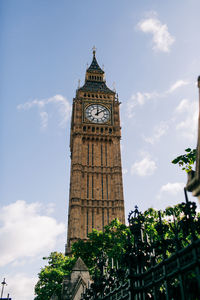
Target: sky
{"type": "Point", "coordinates": [150, 50]}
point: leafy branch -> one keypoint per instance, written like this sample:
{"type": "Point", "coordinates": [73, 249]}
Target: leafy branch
{"type": "Point", "coordinates": [186, 161]}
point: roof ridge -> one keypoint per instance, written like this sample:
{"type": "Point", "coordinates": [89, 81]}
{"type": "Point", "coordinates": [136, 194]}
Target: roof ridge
{"type": "Point", "coordinates": [80, 265]}
{"type": "Point", "coordinates": [95, 86]}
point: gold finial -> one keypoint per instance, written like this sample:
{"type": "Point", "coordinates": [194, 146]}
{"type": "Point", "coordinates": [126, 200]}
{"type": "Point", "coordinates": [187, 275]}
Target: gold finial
{"type": "Point", "coordinates": [94, 50]}
{"type": "Point", "coordinates": [79, 84]}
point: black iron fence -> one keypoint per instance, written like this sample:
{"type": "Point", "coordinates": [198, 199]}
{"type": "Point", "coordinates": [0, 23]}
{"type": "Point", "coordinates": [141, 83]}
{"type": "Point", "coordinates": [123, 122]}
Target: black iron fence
{"type": "Point", "coordinates": [160, 262]}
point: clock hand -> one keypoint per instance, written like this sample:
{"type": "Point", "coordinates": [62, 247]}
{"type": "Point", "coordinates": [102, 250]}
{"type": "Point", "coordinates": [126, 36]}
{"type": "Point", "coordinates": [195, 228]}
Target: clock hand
{"type": "Point", "coordinates": [97, 110]}
{"type": "Point", "coordinates": [101, 110]}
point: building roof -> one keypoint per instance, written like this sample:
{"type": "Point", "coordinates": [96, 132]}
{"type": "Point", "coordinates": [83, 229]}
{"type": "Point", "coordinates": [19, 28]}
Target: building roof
{"type": "Point", "coordinates": [95, 86]}
{"type": "Point", "coordinates": [80, 266]}
{"type": "Point", "coordinates": [94, 67]}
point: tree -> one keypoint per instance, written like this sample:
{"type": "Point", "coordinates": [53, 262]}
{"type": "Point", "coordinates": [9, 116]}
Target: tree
{"type": "Point", "coordinates": [117, 243]}
{"type": "Point", "coordinates": [111, 241]}
{"type": "Point", "coordinates": [186, 161]}
{"type": "Point", "coordinates": [51, 276]}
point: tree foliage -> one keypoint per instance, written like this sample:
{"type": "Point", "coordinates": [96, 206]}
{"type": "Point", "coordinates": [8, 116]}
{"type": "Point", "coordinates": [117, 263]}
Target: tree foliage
{"type": "Point", "coordinates": [51, 276]}
{"type": "Point", "coordinates": [187, 160]}
{"type": "Point", "coordinates": [112, 241]}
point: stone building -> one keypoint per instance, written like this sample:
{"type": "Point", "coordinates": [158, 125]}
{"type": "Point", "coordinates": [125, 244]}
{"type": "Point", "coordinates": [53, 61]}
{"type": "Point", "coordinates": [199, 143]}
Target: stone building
{"type": "Point", "coordinates": [193, 184]}
{"type": "Point", "coordinates": [77, 282]}
{"type": "Point", "coordinates": [96, 188]}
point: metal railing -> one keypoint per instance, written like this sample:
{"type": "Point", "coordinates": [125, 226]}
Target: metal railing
{"type": "Point", "coordinates": [163, 265]}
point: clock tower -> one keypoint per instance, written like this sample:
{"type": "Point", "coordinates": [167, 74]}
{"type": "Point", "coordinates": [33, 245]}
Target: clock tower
{"type": "Point", "coordinates": [96, 188]}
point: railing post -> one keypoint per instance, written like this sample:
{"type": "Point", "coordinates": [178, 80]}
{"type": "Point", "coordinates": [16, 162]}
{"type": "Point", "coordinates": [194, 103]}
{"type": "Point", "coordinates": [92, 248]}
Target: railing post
{"type": "Point", "coordinates": [197, 268]}
{"type": "Point", "coordinates": [154, 292]}
{"type": "Point", "coordinates": [180, 277]}
{"type": "Point", "coordinates": [178, 247]}
{"type": "Point", "coordinates": [153, 259]}
{"type": "Point", "coordinates": [194, 238]}
{"type": "Point", "coordinates": [165, 282]}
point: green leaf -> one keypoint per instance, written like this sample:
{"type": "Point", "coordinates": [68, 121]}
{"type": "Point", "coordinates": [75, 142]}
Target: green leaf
{"type": "Point", "coordinates": [175, 161]}
{"type": "Point", "coordinates": [187, 160]}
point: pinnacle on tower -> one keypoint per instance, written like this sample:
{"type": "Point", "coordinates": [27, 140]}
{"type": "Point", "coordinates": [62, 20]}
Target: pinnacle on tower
{"type": "Point", "coordinates": [94, 67]}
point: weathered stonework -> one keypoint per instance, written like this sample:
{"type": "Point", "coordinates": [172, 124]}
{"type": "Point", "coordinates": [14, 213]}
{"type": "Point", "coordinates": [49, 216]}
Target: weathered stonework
{"type": "Point", "coordinates": [96, 188]}
{"type": "Point", "coordinates": [77, 282]}
{"type": "Point", "coordinates": [193, 184]}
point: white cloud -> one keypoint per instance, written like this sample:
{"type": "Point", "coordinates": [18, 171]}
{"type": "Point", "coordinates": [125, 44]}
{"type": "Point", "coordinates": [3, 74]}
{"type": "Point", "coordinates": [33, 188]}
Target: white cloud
{"type": "Point", "coordinates": [187, 119]}
{"type": "Point", "coordinates": [20, 286]}
{"type": "Point", "coordinates": [183, 106]}
{"type": "Point", "coordinates": [140, 98]}
{"type": "Point", "coordinates": [171, 188]}
{"type": "Point", "coordinates": [177, 84]}
{"type": "Point", "coordinates": [159, 131]}
{"type": "Point", "coordinates": [25, 233]}
{"type": "Point", "coordinates": [144, 167]}
{"type": "Point", "coordinates": [162, 39]}
{"type": "Point", "coordinates": [62, 106]}
{"type": "Point", "coordinates": [50, 208]}
{"type": "Point", "coordinates": [44, 119]}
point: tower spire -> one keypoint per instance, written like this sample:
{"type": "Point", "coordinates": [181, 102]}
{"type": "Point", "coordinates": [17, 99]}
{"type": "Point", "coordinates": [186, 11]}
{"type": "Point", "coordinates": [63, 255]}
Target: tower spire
{"type": "Point", "coordinates": [94, 50]}
{"type": "Point", "coordinates": [94, 67]}
{"type": "Point", "coordinates": [95, 78]}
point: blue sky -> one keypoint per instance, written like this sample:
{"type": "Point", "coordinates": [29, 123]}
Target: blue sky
{"type": "Point", "coordinates": [150, 49]}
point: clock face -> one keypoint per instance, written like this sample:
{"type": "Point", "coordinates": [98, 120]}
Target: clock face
{"type": "Point", "coordinates": [97, 113]}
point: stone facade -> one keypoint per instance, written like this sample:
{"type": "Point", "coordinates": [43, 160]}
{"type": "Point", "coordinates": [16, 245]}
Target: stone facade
{"type": "Point", "coordinates": [193, 184]}
{"type": "Point", "coordinates": [77, 282]}
{"type": "Point", "coordinates": [96, 188]}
